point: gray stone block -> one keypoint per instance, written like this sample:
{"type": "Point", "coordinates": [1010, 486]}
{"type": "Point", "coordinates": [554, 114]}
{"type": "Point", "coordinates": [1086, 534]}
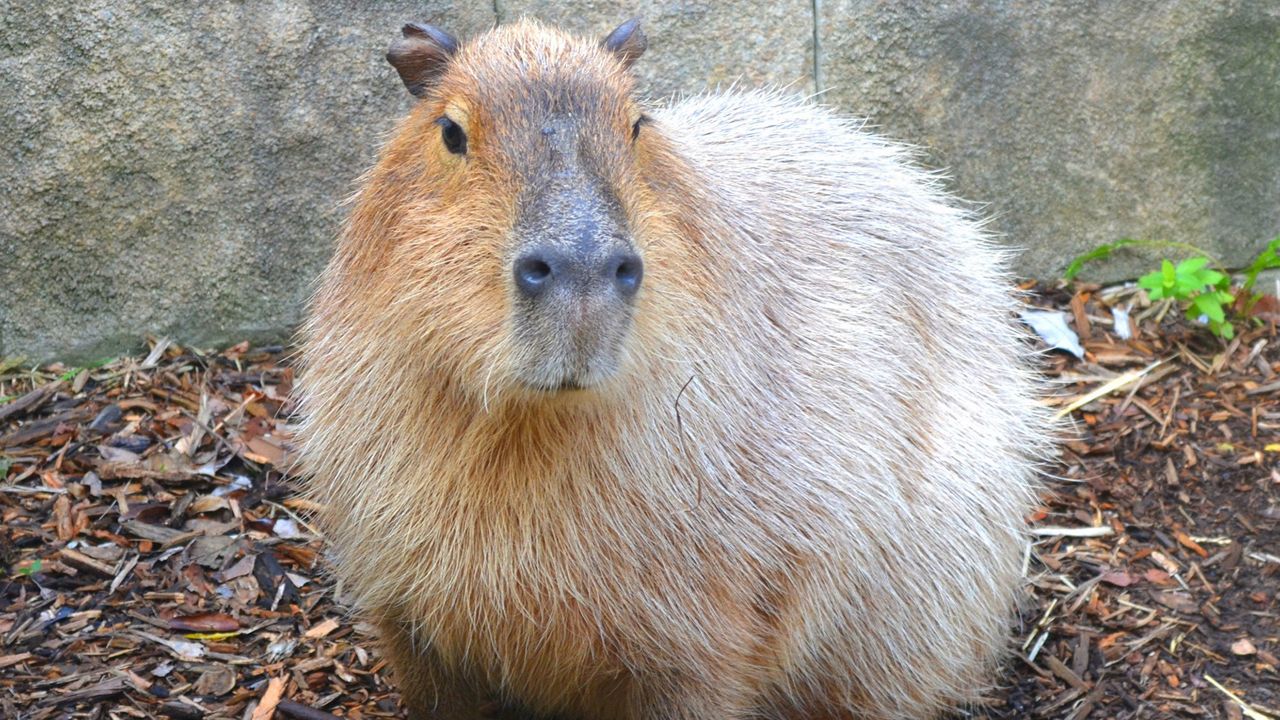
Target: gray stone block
{"type": "Point", "coordinates": [177, 168]}
{"type": "Point", "coordinates": [1078, 124]}
{"type": "Point", "coordinates": [696, 45]}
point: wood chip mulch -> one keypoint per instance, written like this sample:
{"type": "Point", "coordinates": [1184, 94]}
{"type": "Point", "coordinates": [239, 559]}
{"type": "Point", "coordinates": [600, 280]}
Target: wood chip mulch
{"type": "Point", "coordinates": [155, 560]}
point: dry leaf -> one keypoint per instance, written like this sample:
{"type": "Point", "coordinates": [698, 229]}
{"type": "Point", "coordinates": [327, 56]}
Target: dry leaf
{"type": "Point", "coordinates": [1119, 578]}
{"type": "Point", "coordinates": [204, 622]}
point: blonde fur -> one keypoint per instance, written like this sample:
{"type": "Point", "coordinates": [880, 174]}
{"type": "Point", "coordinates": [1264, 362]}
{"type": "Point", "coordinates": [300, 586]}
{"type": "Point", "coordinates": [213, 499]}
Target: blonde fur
{"type": "Point", "coordinates": [801, 495]}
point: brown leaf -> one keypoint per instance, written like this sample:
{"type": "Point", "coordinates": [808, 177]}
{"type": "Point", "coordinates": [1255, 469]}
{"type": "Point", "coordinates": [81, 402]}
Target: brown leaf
{"type": "Point", "coordinates": [204, 622]}
{"type": "Point", "coordinates": [266, 451]}
{"type": "Point", "coordinates": [1119, 578]}
{"type": "Point", "coordinates": [1180, 601]}
{"type": "Point", "coordinates": [216, 681]}
{"type": "Point", "coordinates": [208, 504]}
{"type": "Point", "coordinates": [239, 568]}
{"type": "Point", "coordinates": [196, 580]}
{"type": "Point", "coordinates": [245, 589]}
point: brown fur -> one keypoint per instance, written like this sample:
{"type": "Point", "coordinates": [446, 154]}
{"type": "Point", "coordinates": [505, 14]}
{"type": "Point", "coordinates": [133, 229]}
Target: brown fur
{"type": "Point", "coordinates": [800, 493]}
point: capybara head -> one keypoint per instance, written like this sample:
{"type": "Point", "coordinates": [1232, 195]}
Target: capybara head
{"type": "Point", "coordinates": [520, 238]}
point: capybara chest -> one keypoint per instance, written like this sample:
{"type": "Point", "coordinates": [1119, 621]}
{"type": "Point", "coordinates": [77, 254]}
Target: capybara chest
{"type": "Point", "coordinates": [535, 599]}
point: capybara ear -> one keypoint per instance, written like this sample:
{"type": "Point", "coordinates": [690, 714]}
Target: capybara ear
{"type": "Point", "coordinates": [421, 55]}
{"type": "Point", "coordinates": [627, 42]}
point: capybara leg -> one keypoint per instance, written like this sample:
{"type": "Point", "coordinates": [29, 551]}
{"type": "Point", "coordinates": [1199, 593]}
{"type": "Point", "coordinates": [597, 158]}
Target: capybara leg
{"type": "Point", "coordinates": [426, 691]}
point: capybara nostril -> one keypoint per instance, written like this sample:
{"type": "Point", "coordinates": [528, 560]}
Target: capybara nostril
{"type": "Point", "coordinates": [534, 273]}
{"type": "Point", "coordinates": [626, 270]}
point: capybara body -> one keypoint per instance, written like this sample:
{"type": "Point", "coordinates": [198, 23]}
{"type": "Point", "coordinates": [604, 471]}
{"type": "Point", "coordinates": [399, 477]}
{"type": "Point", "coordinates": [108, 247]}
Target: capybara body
{"type": "Point", "coordinates": [713, 411]}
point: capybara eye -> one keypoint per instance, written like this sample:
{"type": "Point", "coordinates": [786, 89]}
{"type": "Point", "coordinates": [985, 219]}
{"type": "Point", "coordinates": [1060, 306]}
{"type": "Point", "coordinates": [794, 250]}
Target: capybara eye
{"type": "Point", "coordinates": [635, 129]}
{"type": "Point", "coordinates": [454, 138]}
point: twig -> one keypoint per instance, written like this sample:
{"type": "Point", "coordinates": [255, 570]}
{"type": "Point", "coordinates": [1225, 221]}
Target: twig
{"type": "Point", "coordinates": [303, 712]}
{"type": "Point", "coordinates": [21, 490]}
{"type": "Point", "coordinates": [1120, 382]}
{"type": "Point", "coordinates": [1244, 707]}
{"type": "Point", "coordinates": [1265, 557]}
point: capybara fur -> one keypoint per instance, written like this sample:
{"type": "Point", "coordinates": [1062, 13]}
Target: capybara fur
{"type": "Point", "coordinates": [715, 411]}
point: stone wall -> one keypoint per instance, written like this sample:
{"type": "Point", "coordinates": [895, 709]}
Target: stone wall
{"type": "Point", "coordinates": [178, 168]}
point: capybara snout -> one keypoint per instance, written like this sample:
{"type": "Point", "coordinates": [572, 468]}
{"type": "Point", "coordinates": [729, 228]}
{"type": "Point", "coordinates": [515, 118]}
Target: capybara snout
{"type": "Point", "coordinates": [576, 271]}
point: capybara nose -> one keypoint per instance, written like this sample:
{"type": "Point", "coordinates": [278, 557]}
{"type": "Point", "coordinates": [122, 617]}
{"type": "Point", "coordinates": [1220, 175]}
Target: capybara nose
{"type": "Point", "coordinates": [625, 270]}
{"type": "Point", "coordinates": [536, 271]}
{"type": "Point", "coordinates": [540, 270]}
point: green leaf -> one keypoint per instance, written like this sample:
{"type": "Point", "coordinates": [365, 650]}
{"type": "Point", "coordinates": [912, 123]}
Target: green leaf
{"type": "Point", "coordinates": [1168, 275]}
{"type": "Point", "coordinates": [1101, 252]}
{"type": "Point", "coordinates": [1227, 331]}
{"type": "Point", "coordinates": [1267, 259]}
{"type": "Point", "coordinates": [1151, 281]}
{"type": "Point", "coordinates": [1210, 306]}
{"type": "Point", "coordinates": [31, 569]}
{"type": "Point", "coordinates": [1211, 277]}
{"type": "Point", "coordinates": [1077, 264]}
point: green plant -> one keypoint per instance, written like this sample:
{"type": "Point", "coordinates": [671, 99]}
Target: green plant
{"type": "Point", "coordinates": [1102, 252]}
{"type": "Point", "coordinates": [1268, 259]}
{"type": "Point", "coordinates": [1206, 292]}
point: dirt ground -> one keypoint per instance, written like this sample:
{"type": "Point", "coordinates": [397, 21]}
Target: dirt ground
{"type": "Point", "coordinates": [155, 560]}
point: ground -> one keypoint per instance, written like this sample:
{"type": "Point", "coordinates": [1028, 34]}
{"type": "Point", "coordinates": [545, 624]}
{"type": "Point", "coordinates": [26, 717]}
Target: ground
{"type": "Point", "coordinates": [156, 561]}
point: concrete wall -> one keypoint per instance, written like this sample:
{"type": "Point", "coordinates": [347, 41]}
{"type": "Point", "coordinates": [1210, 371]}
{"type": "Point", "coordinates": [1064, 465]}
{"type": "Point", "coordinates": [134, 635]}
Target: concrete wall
{"type": "Point", "coordinates": [178, 168]}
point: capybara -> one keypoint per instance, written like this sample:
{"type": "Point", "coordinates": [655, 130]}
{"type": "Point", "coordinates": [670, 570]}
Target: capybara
{"type": "Point", "coordinates": [715, 411]}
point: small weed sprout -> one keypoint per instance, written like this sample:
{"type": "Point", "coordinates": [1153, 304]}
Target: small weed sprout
{"type": "Point", "coordinates": [1203, 291]}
